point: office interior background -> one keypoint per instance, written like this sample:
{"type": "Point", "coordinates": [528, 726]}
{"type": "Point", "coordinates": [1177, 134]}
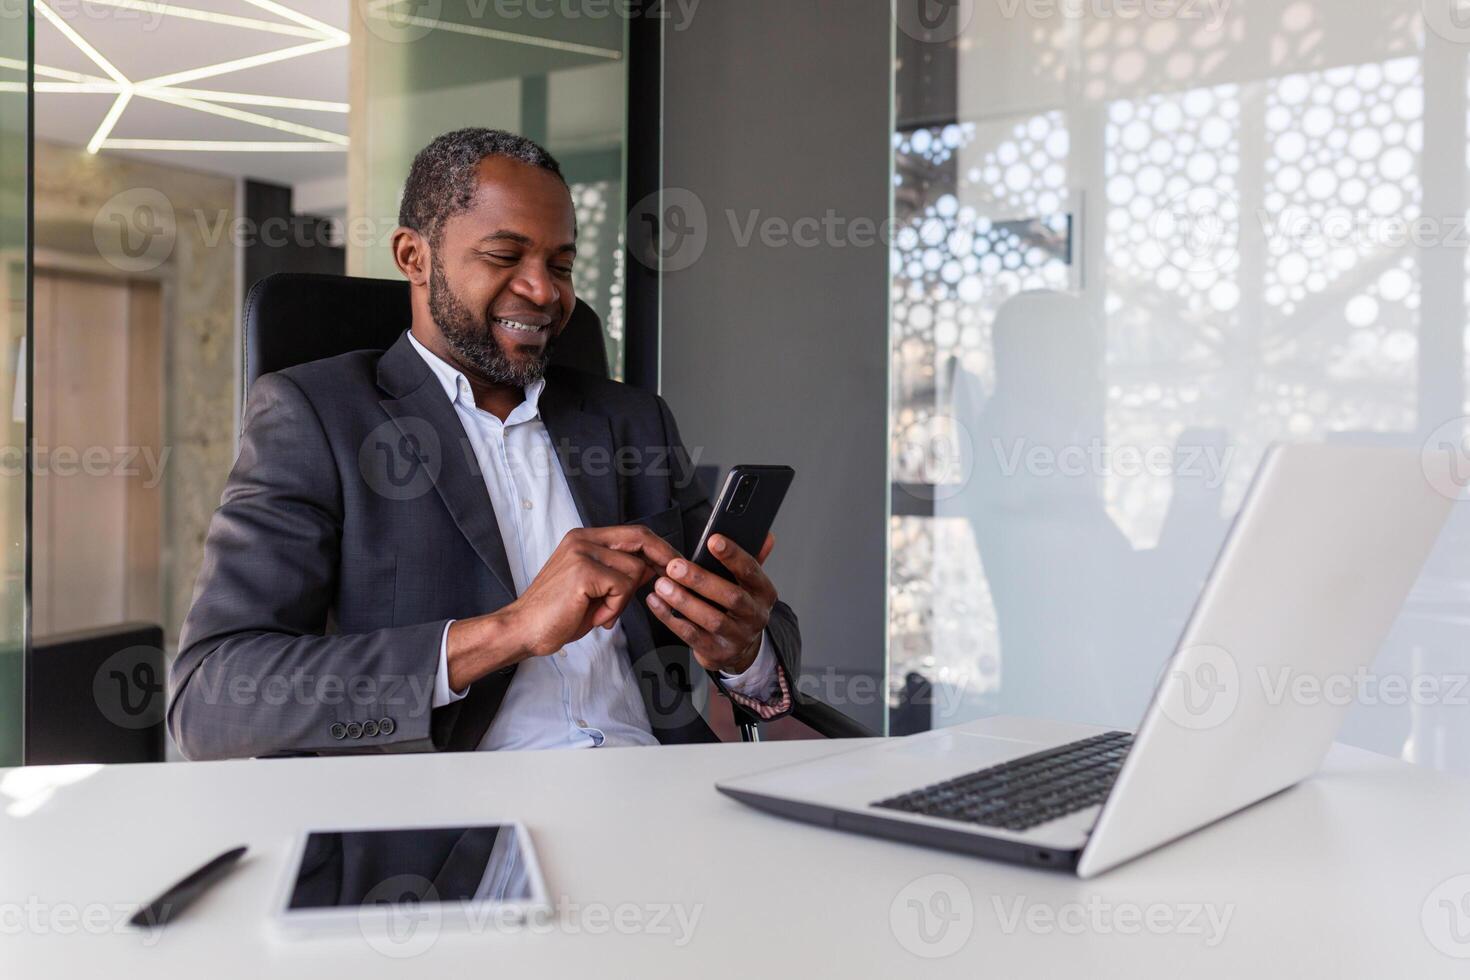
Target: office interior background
{"type": "Point", "coordinates": [1023, 293]}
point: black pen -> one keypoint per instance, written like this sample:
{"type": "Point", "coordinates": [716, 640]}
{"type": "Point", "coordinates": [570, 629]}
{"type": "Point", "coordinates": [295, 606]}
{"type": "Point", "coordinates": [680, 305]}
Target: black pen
{"type": "Point", "coordinates": [183, 893]}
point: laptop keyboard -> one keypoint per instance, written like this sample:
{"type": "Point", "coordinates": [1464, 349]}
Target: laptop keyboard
{"type": "Point", "coordinates": [1028, 791]}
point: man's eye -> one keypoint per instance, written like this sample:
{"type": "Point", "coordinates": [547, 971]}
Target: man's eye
{"type": "Point", "coordinates": [501, 256]}
{"type": "Point", "coordinates": [562, 270]}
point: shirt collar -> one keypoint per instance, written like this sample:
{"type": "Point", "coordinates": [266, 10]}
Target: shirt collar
{"type": "Point", "coordinates": [457, 387]}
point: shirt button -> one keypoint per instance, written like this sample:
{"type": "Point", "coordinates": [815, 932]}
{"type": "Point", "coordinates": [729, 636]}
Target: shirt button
{"type": "Point", "coordinates": [527, 504]}
{"type": "Point", "coordinates": [561, 653]}
{"type": "Point", "coordinates": [581, 723]}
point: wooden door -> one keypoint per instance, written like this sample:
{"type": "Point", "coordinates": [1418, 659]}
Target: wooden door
{"type": "Point", "coordinates": [97, 504]}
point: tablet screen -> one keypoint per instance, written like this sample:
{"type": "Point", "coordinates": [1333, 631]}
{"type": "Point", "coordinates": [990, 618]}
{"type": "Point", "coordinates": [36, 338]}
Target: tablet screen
{"type": "Point", "coordinates": [356, 868]}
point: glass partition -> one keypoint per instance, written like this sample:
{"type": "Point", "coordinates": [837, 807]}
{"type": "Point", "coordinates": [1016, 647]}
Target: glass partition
{"type": "Point", "coordinates": [15, 85]}
{"type": "Point", "coordinates": [180, 158]}
{"type": "Point", "coordinates": [556, 75]}
{"type": "Point", "coordinates": [1133, 246]}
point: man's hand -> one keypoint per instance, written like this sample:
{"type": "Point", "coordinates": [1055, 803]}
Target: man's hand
{"type": "Point", "coordinates": [587, 582]}
{"type": "Point", "coordinates": [721, 621]}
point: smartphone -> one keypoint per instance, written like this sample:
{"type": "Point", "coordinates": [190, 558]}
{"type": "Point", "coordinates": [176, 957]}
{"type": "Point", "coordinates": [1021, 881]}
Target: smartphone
{"type": "Point", "coordinates": [744, 512]}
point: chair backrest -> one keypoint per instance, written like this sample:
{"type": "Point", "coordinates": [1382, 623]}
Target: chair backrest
{"type": "Point", "coordinates": [295, 317]}
{"type": "Point", "coordinates": [96, 696]}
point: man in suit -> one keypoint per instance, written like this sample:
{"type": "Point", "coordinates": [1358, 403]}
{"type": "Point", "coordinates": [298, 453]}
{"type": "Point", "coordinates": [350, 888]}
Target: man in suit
{"type": "Point", "coordinates": [447, 545]}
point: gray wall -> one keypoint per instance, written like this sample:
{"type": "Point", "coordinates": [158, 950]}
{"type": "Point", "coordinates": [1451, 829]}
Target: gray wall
{"type": "Point", "coordinates": [779, 353]}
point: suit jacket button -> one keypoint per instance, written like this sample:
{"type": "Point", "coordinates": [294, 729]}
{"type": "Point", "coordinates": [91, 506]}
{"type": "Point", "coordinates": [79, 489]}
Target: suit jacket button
{"type": "Point", "coordinates": [387, 726]}
{"type": "Point", "coordinates": [339, 730]}
{"type": "Point", "coordinates": [370, 729]}
{"type": "Point", "coordinates": [354, 730]}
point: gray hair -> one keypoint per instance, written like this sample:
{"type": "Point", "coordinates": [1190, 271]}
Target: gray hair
{"type": "Point", "coordinates": [441, 182]}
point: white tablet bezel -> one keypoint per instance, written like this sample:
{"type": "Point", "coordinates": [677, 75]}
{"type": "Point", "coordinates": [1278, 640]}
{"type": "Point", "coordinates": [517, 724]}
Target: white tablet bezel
{"type": "Point", "coordinates": [374, 920]}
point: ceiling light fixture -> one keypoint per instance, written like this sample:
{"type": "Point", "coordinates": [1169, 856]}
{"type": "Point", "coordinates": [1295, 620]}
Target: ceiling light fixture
{"type": "Point", "coordinates": [210, 17]}
{"type": "Point", "coordinates": [240, 115]}
{"type": "Point", "coordinates": [226, 146]}
{"type": "Point", "coordinates": [164, 88]}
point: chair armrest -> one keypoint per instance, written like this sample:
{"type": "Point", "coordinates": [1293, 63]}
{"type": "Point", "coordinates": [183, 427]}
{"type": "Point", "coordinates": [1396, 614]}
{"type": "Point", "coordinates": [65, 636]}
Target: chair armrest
{"type": "Point", "coordinates": [821, 718]}
{"type": "Point", "coordinates": [827, 721]}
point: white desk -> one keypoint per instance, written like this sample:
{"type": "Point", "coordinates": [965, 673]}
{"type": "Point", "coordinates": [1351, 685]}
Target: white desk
{"type": "Point", "coordinates": [1331, 879]}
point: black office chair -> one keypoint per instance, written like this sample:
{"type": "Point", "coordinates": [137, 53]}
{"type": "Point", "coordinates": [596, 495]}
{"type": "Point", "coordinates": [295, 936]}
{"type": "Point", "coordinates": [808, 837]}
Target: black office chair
{"type": "Point", "coordinates": [295, 317]}
{"type": "Point", "coordinates": [292, 318]}
{"type": "Point", "coordinates": [96, 695]}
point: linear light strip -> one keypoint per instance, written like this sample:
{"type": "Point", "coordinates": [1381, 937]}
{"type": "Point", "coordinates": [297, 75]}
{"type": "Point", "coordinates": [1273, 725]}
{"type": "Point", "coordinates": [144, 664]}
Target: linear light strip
{"type": "Point", "coordinates": [62, 73]}
{"type": "Point", "coordinates": [211, 17]}
{"type": "Point", "coordinates": [240, 64]}
{"type": "Point", "coordinates": [158, 88]}
{"type": "Point", "coordinates": [81, 43]}
{"type": "Point", "coordinates": [494, 35]}
{"type": "Point", "coordinates": [103, 86]}
{"type": "Point", "coordinates": [110, 120]}
{"type": "Point", "coordinates": [239, 115]}
{"type": "Point", "coordinates": [224, 146]}
{"type": "Point", "coordinates": [100, 87]}
{"type": "Point", "coordinates": [280, 10]}
{"type": "Point", "coordinates": [251, 98]}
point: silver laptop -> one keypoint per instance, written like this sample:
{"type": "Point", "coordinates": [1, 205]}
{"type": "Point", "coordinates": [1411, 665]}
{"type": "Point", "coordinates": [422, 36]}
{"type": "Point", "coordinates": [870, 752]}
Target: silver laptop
{"type": "Point", "coordinates": [1311, 577]}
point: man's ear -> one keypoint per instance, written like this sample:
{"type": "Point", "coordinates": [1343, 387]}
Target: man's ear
{"type": "Point", "coordinates": [411, 254]}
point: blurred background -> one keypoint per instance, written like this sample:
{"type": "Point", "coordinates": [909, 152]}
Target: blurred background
{"type": "Point", "coordinates": [1023, 291]}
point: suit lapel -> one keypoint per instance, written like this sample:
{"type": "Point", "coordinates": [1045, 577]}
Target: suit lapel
{"type": "Point", "coordinates": [583, 443]}
{"type": "Point", "coordinates": [420, 399]}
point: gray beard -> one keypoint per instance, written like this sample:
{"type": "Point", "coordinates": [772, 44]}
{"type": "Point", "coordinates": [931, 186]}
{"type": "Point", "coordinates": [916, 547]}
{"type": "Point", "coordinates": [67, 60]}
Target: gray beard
{"type": "Point", "coordinates": [472, 340]}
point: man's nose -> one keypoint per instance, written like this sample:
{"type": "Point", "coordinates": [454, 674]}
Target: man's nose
{"type": "Point", "coordinates": [536, 286]}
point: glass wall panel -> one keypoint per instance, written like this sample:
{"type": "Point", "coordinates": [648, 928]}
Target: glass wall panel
{"type": "Point", "coordinates": [14, 161]}
{"type": "Point", "coordinates": [532, 69]}
{"type": "Point", "coordinates": [155, 207]}
{"type": "Point", "coordinates": [1133, 247]}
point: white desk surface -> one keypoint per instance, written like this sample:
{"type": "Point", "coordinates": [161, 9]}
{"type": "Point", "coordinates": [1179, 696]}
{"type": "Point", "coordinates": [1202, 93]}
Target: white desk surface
{"type": "Point", "coordinates": [1351, 874]}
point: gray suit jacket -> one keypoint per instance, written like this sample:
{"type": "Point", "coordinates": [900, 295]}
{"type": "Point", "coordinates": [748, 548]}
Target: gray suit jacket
{"type": "Point", "coordinates": [355, 524]}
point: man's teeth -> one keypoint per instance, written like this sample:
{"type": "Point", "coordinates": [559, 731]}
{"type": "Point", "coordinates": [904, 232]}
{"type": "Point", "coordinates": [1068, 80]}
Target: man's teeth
{"type": "Point", "coordinates": [516, 326]}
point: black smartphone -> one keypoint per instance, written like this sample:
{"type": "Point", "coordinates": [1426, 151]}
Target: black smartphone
{"type": "Point", "coordinates": [744, 512]}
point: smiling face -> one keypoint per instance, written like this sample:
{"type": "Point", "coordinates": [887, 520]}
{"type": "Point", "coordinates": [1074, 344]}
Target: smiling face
{"type": "Point", "coordinates": [499, 280]}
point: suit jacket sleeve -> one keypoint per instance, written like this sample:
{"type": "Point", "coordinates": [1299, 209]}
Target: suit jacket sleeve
{"type": "Point", "coordinates": [259, 671]}
{"type": "Point", "coordinates": [694, 506]}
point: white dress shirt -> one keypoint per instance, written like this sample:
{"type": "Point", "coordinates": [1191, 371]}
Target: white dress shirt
{"type": "Point", "coordinates": [585, 694]}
